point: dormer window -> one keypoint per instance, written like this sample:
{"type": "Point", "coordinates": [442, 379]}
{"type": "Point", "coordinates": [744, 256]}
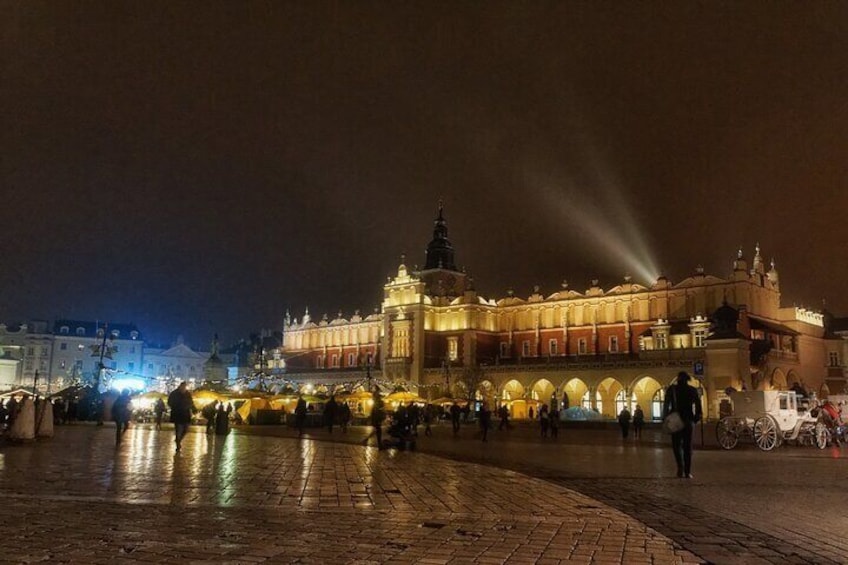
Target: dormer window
{"type": "Point", "coordinates": [80, 331]}
{"type": "Point", "coordinates": [115, 334]}
{"type": "Point", "coordinates": [133, 334]}
{"type": "Point", "coordinates": [64, 330]}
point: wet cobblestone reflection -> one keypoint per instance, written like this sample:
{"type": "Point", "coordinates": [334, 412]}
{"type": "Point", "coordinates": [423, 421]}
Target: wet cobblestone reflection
{"type": "Point", "coordinates": [243, 499]}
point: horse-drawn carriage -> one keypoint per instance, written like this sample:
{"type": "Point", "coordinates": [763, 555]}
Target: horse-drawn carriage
{"type": "Point", "coordinates": [771, 417]}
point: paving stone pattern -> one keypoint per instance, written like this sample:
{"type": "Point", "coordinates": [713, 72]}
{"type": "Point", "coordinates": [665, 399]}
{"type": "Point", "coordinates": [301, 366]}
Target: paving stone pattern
{"type": "Point", "coordinates": [248, 499]}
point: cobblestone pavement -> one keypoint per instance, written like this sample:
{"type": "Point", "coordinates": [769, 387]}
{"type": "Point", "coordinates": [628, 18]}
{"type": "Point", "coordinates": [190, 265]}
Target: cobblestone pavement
{"type": "Point", "coordinates": [249, 499]}
{"type": "Point", "coordinates": [744, 506]}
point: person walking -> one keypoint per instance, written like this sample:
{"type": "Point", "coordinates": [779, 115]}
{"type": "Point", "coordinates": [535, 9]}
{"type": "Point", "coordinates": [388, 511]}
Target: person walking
{"type": "Point", "coordinates": [429, 414]}
{"type": "Point", "coordinates": [159, 412]}
{"type": "Point", "coordinates": [638, 422]}
{"type": "Point", "coordinates": [553, 422]}
{"type": "Point", "coordinates": [624, 422]}
{"type": "Point", "coordinates": [209, 412]}
{"type": "Point", "coordinates": [330, 413]}
{"type": "Point", "coordinates": [121, 413]}
{"type": "Point", "coordinates": [543, 420]}
{"type": "Point", "coordinates": [455, 412]}
{"type": "Point", "coordinates": [182, 408]}
{"type": "Point", "coordinates": [683, 399]}
{"type": "Point", "coordinates": [344, 416]}
{"type": "Point", "coordinates": [222, 419]}
{"type": "Point", "coordinates": [378, 416]}
{"type": "Point", "coordinates": [300, 414]}
{"type": "Point", "coordinates": [503, 413]}
{"type": "Point", "coordinates": [485, 417]}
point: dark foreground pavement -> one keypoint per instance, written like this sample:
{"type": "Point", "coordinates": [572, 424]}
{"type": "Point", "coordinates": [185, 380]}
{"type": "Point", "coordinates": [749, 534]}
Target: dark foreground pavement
{"type": "Point", "coordinates": [263, 495]}
{"type": "Point", "coordinates": [248, 499]}
{"type": "Point", "coordinates": [743, 506]}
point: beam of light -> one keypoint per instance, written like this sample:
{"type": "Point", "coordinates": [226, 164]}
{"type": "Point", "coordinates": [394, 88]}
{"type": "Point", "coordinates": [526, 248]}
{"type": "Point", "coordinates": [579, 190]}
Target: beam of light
{"type": "Point", "coordinates": [598, 205]}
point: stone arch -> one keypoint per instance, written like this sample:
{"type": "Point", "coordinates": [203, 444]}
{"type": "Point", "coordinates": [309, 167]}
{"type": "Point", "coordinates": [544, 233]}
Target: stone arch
{"type": "Point", "coordinates": [513, 396]}
{"type": "Point", "coordinates": [645, 392]}
{"type": "Point", "coordinates": [778, 380]}
{"type": "Point", "coordinates": [608, 389]}
{"type": "Point", "coordinates": [542, 391]}
{"type": "Point", "coordinates": [573, 390]}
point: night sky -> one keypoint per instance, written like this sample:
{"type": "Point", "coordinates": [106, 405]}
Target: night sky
{"type": "Point", "coordinates": [201, 167]}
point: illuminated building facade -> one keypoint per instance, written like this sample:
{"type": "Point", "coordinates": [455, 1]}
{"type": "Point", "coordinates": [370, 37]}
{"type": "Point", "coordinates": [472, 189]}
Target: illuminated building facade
{"type": "Point", "coordinates": [602, 349]}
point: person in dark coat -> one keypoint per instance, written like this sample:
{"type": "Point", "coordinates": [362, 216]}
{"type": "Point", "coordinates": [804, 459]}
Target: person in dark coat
{"type": "Point", "coordinates": [121, 413]}
{"type": "Point", "coordinates": [638, 422]}
{"type": "Point", "coordinates": [182, 408]}
{"type": "Point", "coordinates": [300, 414]}
{"type": "Point", "coordinates": [553, 422]}
{"type": "Point", "coordinates": [378, 416]}
{"type": "Point", "coordinates": [210, 412]}
{"type": "Point", "coordinates": [330, 410]}
{"type": "Point", "coordinates": [222, 419]}
{"type": "Point", "coordinates": [485, 417]}
{"type": "Point", "coordinates": [624, 422]}
{"type": "Point", "coordinates": [344, 416]}
{"type": "Point", "coordinates": [159, 412]}
{"type": "Point", "coordinates": [455, 412]}
{"type": "Point", "coordinates": [683, 399]}
{"type": "Point", "coordinates": [543, 420]}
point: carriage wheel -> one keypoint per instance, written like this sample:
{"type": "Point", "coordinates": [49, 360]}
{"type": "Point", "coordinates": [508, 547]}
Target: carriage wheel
{"type": "Point", "coordinates": [821, 435]}
{"type": "Point", "coordinates": [765, 433]}
{"type": "Point", "coordinates": [726, 433]}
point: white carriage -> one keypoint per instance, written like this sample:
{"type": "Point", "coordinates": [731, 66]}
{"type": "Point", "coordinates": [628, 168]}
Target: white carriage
{"type": "Point", "coordinates": [770, 417]}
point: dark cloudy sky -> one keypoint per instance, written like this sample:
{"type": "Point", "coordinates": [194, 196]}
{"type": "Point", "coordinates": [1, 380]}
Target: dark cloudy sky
{"type": "Point", "coordinates": [201, 167]}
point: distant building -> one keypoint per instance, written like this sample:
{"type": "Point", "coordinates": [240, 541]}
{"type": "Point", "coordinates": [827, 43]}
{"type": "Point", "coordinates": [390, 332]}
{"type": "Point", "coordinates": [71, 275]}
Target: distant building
{"type": "Point", "coordinates": [599, 348]}
{"type": "Point", "coordinates": [77, 346]}
{"type": "Point", "coordinates": [68, 352]}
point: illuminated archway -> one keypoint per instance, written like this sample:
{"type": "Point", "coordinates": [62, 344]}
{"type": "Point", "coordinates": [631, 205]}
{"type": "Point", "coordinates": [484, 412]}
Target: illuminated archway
{"type": "Point", "coordinates": [644, 395]}
{"type": "Point", "coordinates": [574, 390]}
{"type": "Point", "coordinates": [608, 389]}
{"type": "Point", "coordinates": [778, 380]}
{"type": "Point", "coordinates": [543, 391]}
{"type": "Point", "coordinates": [512, 395]}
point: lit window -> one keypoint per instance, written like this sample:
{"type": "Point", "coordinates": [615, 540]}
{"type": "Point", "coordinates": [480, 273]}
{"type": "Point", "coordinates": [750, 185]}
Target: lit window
{"type": "Point", "coordinates": [63, 346]}
{"type": "Point", "coordinates": [581, 346]}
{"type": "Point", "coordinates": [552, 347]}
{"type": "Point", "coordinates": [660, 340]}
{"type": "Point", "coordinates": [613, 344]}
{"type": "Point", "coordinates": [504, 349]}
{"type": "Point", "coordinates": [833, 356]}
{"type": "Point", "coordinates": [453, 348]}
{"type": "Point", "coordinates": [525, 349]}
{"type": "Point", "coordinates": [351, 360]}
{"type": "Point", "coordinates": [700, 338]}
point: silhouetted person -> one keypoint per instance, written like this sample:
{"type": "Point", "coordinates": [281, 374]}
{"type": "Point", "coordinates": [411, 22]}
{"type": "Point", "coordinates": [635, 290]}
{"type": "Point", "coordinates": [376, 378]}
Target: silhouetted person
{"type": "Point", "coordinates": [209, 412]}
{"type": "Point", "coordinates": [530, 414]}
{"type": "Point", "coordinates": [222, 419]}
{"type": "Point", "coordinates": [485, 417]}
{"type": "Point", "coordinates": [455, 412]}
{"type": "Point", "coordinates": [429, 414]}
{"type": "Point", "coordinates": [543, 420]}
{"type": "Point", "coordinates": [624, 422]}
{"type": "Point", "coordinates": [344, 416]}
{"type": "Point", "coordinates": [683, 399]}
{"type": "Point", "coordinates": [553, 422]}
{"type": "Point", "coordinates": [300, 414]}
{"type": "Point", "coordinates": [503, 413]}
{"type": "Point", "coordinates": [159, 412]}
{"type": "Point", "coordinates": [182, 408]}
{"type": "Point", "coordinates": [638, 422]}
{"type": "Point", "coordinates": [121, 413]}
{"type": "Point", "coordinates": [378, 416]}
{"type": "Point", "coordinates": [414, 417]}
{"type": "Point", "coordinates": [330, 413]}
